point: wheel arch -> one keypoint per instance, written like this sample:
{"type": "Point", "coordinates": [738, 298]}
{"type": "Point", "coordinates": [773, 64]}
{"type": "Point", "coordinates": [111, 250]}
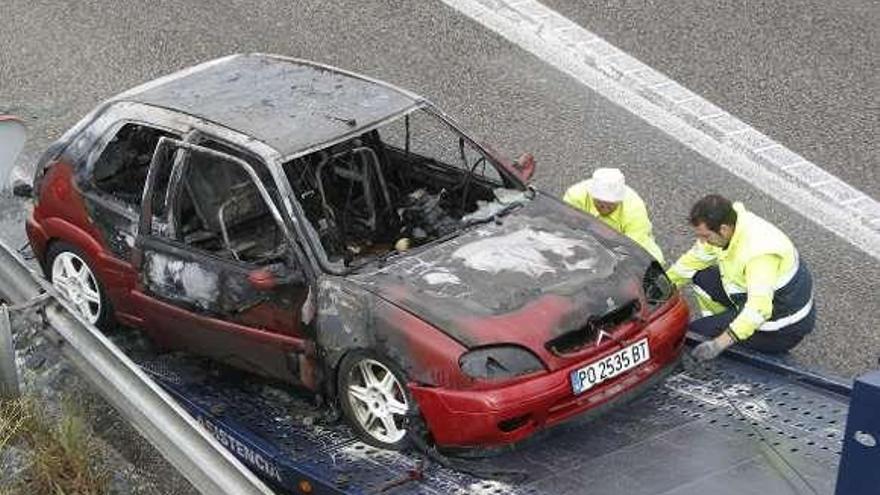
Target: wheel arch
{"type": "Point", "coordinates": [59, 230]}
{"type": "Point", "coordinates": [351, 319]}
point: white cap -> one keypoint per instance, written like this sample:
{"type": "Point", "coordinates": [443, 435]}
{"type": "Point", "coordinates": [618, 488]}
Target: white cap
{"type": "Point", "coordinates": [608, 185]}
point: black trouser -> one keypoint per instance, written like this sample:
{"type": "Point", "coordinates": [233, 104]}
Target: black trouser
{"type": "Point", "coordinates": [774, 342]}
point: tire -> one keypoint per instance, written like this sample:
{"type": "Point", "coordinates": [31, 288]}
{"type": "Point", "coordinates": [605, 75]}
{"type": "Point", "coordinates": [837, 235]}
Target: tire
{"type": "Point", "coordinates": [374, 398]}
{"type": "Point", "coordinates": [74, 278]}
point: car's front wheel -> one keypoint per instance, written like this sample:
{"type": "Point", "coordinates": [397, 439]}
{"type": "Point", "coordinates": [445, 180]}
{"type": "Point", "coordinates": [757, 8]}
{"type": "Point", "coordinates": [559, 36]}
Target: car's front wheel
{"type": "Point", "coordinates": [374, 399]}
{"type": "Point", "coordinates": [75, 280]}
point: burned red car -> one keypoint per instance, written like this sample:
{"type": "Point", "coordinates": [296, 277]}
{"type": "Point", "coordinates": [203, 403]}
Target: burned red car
{"type": "Point", "coordinates": [335, 232]}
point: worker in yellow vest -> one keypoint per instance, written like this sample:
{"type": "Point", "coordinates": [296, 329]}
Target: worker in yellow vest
{"type": "Point", "coordinates": [607, 197]}
{"type": "Point", "coordinates": [751, 285]}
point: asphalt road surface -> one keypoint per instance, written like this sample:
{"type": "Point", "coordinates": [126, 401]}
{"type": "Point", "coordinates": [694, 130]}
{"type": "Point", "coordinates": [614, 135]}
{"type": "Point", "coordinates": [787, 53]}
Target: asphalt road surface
{"type": "Point", "coordinates": [804, 72]}
{"type": "Point", "coordinates": [58, 61]}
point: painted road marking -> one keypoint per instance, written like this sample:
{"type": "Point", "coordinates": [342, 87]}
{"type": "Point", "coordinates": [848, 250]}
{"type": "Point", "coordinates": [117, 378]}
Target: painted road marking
{"type": "Point", "coordinates": [695, 122]}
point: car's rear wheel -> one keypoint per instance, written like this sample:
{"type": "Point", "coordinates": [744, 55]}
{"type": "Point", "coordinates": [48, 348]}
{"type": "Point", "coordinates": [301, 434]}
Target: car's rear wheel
{"type": "Point", "coordinates": [374, 399]}
{"type": "Point", "coordinates": [75, 280]}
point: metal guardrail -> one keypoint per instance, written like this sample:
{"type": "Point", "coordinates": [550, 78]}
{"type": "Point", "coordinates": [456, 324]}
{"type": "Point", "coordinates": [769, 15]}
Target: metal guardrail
{"type": "Point", "coordinates": [8, 371]}
{"type": "Point", "coordinates": [197, 455]}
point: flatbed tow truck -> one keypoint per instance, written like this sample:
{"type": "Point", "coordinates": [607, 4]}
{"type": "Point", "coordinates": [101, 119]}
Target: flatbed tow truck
{"type": "Point", "coordinates": [742, 424]}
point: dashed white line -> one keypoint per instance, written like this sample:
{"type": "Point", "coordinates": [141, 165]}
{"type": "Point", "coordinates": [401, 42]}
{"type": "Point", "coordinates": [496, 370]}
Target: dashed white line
{"type": "Point", "coordinates": [695, 122]}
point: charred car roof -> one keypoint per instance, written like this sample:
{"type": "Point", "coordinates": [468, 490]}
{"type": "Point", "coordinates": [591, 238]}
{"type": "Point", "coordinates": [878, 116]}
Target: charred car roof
{"type": "Point", "coordinates": [291, 105]}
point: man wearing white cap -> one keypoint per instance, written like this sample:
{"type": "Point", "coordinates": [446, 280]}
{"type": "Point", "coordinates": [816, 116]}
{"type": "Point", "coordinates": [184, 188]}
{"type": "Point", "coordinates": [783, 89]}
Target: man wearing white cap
{"type": "Point", "coordinates": [607, 197]}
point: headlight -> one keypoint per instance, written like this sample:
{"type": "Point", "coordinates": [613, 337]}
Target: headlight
{"type": "Point", "coordinates": [657, 286]}
{"type": "Point", "coordinates": [503, 361]}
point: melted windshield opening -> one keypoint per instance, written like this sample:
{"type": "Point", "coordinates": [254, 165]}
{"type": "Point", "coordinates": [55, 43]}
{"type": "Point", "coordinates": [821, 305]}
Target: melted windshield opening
{"type": "Point", "coordinates": [398, 187]}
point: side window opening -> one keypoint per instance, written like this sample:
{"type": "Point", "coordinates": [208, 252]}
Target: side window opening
{"type": "Point", "coordinates": [220, 210]}
{"type": "Point", "coordinates": [424, 136]}
{"type": "Point", "coordinates": [121, 169]}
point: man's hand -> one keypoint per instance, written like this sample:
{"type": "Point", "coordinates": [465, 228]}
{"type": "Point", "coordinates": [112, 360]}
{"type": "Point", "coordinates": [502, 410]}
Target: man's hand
{"type": "Point", "coordinates": [712, 348]}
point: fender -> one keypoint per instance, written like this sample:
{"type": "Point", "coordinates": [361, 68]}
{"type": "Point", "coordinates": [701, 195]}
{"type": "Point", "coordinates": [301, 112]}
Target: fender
{"type": "Point", "coordinates": [60, 229]}
{"type": "Point", "coordinates": [39, 239]}
{"type": "Point", "coordinates": [116, 275]}
{"type": "Point", "coordinates": [349, 319]}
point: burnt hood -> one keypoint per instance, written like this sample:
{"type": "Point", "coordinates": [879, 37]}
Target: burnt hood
{"type": "Point", "coordinates": [537, 273]}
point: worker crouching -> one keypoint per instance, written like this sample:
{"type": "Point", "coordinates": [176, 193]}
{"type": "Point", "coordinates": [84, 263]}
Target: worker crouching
{"type": "Point", "coordinates": [751, 285]}
{"type": "Point", "coordinates": [607, 197]}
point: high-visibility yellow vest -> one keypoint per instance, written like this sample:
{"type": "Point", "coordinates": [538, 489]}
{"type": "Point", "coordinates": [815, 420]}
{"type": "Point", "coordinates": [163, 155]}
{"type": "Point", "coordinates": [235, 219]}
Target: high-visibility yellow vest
{"type": "Point", "coordinates": [630, 218]}
{"type": "Point", "coordinates": [759, 260]}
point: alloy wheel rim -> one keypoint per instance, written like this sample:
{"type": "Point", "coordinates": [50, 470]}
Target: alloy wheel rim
{"type": "Point", "coordinates": [378, 400]}
{"type": "Point", "coordinates": [72, 278]}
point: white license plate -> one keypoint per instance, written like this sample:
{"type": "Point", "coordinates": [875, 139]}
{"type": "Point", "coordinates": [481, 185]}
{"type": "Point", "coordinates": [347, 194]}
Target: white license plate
{"type": "Point", "coordinates": [629, 357]}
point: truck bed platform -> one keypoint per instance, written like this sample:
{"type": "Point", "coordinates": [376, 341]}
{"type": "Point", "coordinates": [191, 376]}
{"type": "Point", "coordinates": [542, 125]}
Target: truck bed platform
{"type": "Point", "coordinates": [725, 428]}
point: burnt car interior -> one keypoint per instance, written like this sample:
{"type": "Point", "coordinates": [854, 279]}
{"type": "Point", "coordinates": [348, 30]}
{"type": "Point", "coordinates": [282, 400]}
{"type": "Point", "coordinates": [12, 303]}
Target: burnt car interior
{"type": "Point", "coordinates": [385, 191]}
{"type": "Point", "coordinates": [121, 169]}
{"type": "Point", "coordinates": [220, 210]}
{"type": "Point", "coordinates": [219, 207]}
{"type": "Point", "coordinates": [388, 190]}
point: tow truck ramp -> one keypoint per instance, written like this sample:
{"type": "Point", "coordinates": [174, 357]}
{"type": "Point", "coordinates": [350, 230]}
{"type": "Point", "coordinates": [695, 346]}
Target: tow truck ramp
{"type": "Point", "coordinates": [729, 427]}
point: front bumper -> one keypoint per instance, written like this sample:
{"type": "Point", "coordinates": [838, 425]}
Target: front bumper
{"type": "Point", "coordinates": [507, 414]}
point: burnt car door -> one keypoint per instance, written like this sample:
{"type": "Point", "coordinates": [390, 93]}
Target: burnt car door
{"type": "Point", "coordinates": [111, 176]}
{"type": "Point", "coordinates": [116, 176]}
{"type": "Point", "coordinates": [219, 271]}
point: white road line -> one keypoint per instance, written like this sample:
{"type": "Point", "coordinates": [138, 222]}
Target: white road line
{"type": "Point", "coordinates": [695, 122]}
